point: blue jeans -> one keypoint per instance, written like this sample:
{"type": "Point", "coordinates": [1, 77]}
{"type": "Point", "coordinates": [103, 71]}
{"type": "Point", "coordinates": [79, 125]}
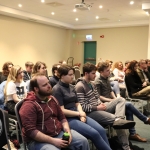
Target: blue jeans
{"type": "Point", "coordinates": [115, 87]}
{"type": "Point", "coordinates": [130, 111]}
{"type": "Point", "coordinates": [78, 142]}
{"type": "Point", "coordinates": [91, 130]}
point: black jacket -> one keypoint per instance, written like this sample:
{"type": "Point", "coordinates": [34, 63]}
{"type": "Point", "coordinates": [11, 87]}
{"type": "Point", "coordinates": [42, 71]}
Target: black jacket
{"type": "Point", "coordinates": [133, 83]}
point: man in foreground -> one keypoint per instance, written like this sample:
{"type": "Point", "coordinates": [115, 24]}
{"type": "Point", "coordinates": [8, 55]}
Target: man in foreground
{"type": "Point", "coordinates": [43, 121]}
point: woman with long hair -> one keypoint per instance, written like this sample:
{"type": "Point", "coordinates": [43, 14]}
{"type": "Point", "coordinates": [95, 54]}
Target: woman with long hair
{"type": "Point", "coordinates": [5, 71]}
{"type": "Point", "coordinates": [134, 83]}
{"type": "Point", "coordinates": [77, 119]}
{"type": "Point", "coordinates": [15, 88]}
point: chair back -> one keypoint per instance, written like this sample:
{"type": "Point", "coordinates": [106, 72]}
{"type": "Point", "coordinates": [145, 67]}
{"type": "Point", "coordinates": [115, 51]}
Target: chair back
{"type": "Point", "coordinates": [4, 128]}
{"type": "Point", "coordinates": [17, 108]}
{"type": "Point", "coordinates": [77, 74]}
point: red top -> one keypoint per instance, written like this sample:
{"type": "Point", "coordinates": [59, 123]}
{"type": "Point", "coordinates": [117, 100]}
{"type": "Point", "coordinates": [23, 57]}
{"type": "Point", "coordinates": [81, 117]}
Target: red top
{"type": "Point", "coordinates": [37, 115]}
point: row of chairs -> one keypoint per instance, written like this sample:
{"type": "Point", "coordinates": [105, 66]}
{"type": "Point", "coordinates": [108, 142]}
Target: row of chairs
{"type": "Point", "coordinates": [138, 100]}
{"type": "Point", "coordinates": [5, 124]}
{"type": "Point", "coordinates": [4, 128]}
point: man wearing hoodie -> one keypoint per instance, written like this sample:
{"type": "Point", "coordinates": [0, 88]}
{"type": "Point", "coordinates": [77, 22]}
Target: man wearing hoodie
{"type": "Point", "coordinates": [111, 113]}
{"type": "Point", "coordinates": [43, 121]}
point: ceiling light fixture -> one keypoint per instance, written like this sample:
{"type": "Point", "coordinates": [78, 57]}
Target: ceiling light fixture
{"type": "Point", "coordinates": [131, 2]}
{"type": "Point", "coordinates": [97, 17]}
{"type": "Point", "coordinates": [52, 13]}
{"type": "Point", "coordinates": [100, 6]}
{"type": "Point", "coordinates": [19, 5]}
{"type": "Point", "coordinates": [119, 20]}
{"type": "Point", "coordinates": [74, 10]}
{"type": "Point", "coordinates": [76, 19]}
{"type": "Point", "coordinates": [147, 13]}
{"type": "Point", "coordinates": [42, 1]}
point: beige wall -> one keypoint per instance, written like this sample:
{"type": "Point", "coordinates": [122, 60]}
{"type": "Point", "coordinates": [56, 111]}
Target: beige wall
{"type": "Point", "coordinates": [123, 44]}
{"type": "Point", "coordinates": [22, 41]}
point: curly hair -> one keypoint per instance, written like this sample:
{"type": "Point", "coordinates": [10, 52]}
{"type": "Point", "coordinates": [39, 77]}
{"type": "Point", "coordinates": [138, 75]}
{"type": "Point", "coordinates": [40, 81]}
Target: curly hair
{"type": "Point", "coordinates": [5, 70]}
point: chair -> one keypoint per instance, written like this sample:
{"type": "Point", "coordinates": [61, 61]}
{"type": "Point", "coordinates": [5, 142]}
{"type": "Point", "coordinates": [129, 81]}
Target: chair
{"type": "Point", "coordinates": [4, 127]}
{"type": "Point", "coordinates": [17, 108]}
{"type": "Point", "coordinates": [77, 73]}
{"type": "Point", "coordinates": [70, 61]}
{"type": "Point", "coordinates": [13, 126]}
{"type": "Point", "coordinates": [138, 100]}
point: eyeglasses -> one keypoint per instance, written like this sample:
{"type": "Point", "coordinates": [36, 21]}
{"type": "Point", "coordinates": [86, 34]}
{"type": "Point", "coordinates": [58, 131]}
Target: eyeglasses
{"type": "Point", "coordinates": [20, 72]}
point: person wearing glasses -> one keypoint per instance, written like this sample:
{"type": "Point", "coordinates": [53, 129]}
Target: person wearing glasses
{"type": "Point", "coordinates": [15, 88]}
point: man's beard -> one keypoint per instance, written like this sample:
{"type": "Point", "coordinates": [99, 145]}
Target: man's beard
{"type": "Point", "coordinates": [43, 93]}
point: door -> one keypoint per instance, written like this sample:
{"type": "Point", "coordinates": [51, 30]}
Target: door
{"type": "Point", "coordinates": [90, 52]}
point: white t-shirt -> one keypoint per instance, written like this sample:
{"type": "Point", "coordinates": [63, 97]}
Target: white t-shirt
{"type": "Point", "coordinates": [16, 88]}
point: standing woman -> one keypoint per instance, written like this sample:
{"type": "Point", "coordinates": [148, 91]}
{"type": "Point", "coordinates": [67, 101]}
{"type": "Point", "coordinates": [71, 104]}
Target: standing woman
{"type": "Point", "coordinates": [15, 89]}
{"type": "Point", "coordinates": [5, 71]}
{"type": "Point", "coordinates": [65, 93]}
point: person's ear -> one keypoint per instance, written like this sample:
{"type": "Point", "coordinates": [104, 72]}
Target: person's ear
{"type": "Point", "coordinates": [36, 89]}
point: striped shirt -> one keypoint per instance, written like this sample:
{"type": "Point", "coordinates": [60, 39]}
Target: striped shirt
{"type": "Point", "coordinates": [87, 96]}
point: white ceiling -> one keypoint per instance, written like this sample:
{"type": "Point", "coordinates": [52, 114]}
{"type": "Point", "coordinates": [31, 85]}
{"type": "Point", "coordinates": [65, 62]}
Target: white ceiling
{"type": "Point", "coordinates": [109, 15]}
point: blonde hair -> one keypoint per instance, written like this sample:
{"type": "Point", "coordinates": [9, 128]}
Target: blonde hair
{"type": "Point", "coordinates": [116, 65]}
{"type": "Point", "coordinates": [12, 76]}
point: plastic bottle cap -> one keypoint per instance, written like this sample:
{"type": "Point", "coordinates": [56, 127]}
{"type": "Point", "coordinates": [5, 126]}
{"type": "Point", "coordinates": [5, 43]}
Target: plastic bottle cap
{"type": "Point", "coordinates": [66, 134]}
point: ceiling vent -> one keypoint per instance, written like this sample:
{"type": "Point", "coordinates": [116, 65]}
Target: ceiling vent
{"type": "Point", "coordinates": [54, 4]}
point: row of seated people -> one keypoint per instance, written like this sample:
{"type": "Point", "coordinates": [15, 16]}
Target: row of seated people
{"type": "Point", "coordinates": [104, 113]}
{"type": "Point", "coordinates": [106, 94]}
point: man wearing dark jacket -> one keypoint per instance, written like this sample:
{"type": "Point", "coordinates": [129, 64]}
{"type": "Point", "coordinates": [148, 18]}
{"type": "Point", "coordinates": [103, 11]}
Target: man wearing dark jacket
{"type": "Point", "coordinates": [28, 71]}
{"type": "Point", "coordinates": [43, 121]}
{"type": "Point", "coordinates": [143, 72]}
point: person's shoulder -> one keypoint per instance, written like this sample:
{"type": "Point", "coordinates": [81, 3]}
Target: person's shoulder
{"type": "Point", "coordinates": [11, 83]}
{"type": "Point", "coordinates": [56, 87]}
{"type": "Point", "coordinates": [79, 84]}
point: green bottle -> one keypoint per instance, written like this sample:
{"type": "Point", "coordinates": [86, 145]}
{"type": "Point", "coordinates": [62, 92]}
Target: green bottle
{"type": "Point", "coordinates": [66, 136]}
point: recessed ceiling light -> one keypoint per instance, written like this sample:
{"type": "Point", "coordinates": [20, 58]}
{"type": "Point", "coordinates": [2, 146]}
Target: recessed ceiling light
{"type": "Point", "coordinates": [52, 13]}
{"type": "Point", "coordinates": [20, 5]}
{"type": "Point", "coordinates": [97, 17]}
{"type": "Point", "coordinates": [74, 10]}
{"type": "Point", "coordinates": [42, 1]}
{"type": "Point", "coordinates": [147, 13]}
{"type": "Point", "coordinates": [131, 2]}
{"type": "Point", "coordinates": [76, 19]}
{"type": "Point", "coordinates": [100, 6]}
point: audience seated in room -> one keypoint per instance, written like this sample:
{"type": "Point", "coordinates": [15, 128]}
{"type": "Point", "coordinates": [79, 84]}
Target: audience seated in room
{"type": "Point", "coordinates": [107, 95]}
{"type": "Point", "coordinates": [65, 93]}
{"type": "Point", "coordinates": [111, 113]}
